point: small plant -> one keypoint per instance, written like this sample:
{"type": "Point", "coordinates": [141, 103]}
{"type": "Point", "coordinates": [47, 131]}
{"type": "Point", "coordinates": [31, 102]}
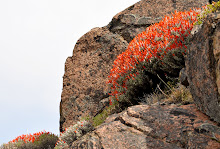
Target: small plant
{"type": "Point", "coordinates": [102, 115]}
{"type": "Point", "coordinates": [73, 132]}
{"type": "Point", "coordinates": [100, 118]}
{"type": "Point", "coordinates": [61, 145]}
{"type": "Point", "coordinates": [82, 127]}
{"type": "Point", "coordinates": [177, 94]}
{"type": "Point", "coordinates": [7, 146]}
{"type": "Point", "coordinates": [180, 94]}
{"type": "Point", "coordinates": [37, 140]}
{"type": "Point", "coordinates": [46, 141]}
{"type": "Point", "coordinates": [207, 10]}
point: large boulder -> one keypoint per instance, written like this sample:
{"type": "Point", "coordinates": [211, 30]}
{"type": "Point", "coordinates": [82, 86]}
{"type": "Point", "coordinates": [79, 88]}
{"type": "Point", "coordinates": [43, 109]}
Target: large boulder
{"type": "Point", "coordinates": [86, 71]}
{"type": "Point", "coordinates": [154, 127]}
{"type": "Point", "coordinates": [203, 66]}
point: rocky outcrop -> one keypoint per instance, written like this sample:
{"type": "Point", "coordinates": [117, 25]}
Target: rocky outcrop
{"type": "Point", "coordinates": [154, 127]}
{"type": "Point", "coordinates": [203, 67]}
{"type": "Point", "coordinates": [137, 17]}
{"type": "Point", "coordinates": [86, 71]}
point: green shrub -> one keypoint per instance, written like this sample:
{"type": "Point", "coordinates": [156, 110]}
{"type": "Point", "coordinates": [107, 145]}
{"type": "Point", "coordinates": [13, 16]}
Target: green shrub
{"type": "Point", "coordinates": [73, 132]}
{"type": "Point", "coordinates": [6, 146]}
{"type": "Point", "coordinates": [40, 140]}
{"type": "Point", "coordinates": [207, 10]}
{"type": "Point", "coordinates": [46, 141]}
{"type": "Point", "coordinates": [101, 117]}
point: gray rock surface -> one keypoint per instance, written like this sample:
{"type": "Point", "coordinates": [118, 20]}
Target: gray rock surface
{"type": "Point", "coordinates": [183, 77]}
{"type": "Point", "coordinates": [154, 127]}
{"type": "Point", "coordinates": [202, 65]}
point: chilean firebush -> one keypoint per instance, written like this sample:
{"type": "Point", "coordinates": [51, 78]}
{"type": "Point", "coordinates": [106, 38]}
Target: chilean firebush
{"type": "Point", "coordinates": [157, 52]}
{"type": "Point", "coordinates": [72, 133]}
{"type": "Point", "coordinates": [37, 140]}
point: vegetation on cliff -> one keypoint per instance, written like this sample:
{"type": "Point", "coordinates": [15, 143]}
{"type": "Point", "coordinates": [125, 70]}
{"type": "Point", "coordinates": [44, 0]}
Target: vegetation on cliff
{"type": "Point", "coordinates": [37, 140]}
{"type": "Point", "coordinates": [155, 54]}
{"type": "Point", "coordinates": [73, 133]}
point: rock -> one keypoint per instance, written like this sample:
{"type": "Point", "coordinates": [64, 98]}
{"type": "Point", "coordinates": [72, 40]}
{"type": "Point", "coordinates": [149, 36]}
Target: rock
{"type": "Point", "coordinates": [139, 16]}
{"type": "Point", "coordinates": [202, 66]}
{"type": "Point", "coordinates": [154, 127]}
{"type": "Point", "coordinates": [89, 141]}
{"type": "Point", "coordinates": [86, 71]}
{"type": "Point", "coordinates": [183, 77]}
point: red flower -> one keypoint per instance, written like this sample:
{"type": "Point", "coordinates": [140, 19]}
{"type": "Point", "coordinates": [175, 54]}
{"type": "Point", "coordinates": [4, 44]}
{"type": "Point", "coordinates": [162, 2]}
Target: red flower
{"type": "Point", "coordinates": [29, 137]}
{"type": "Point", "coordinates": [155, 42]}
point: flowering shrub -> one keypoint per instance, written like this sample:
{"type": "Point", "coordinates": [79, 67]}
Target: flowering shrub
{"type": "Point", "coordinates": [207, 10]}
{"type": "Point", "coordinates": [37, 140]}
{"type": "Point", "coordinates": [29, 137]}
{"type": "Point", "coordinates": [72, 133]}
{"type": "Point", "coordinates": [158, 50]}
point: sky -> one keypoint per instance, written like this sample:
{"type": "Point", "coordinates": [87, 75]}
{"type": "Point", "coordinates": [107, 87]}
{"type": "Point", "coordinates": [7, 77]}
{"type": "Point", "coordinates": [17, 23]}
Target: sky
{"type": "Point", "coordinates": [36, 37]}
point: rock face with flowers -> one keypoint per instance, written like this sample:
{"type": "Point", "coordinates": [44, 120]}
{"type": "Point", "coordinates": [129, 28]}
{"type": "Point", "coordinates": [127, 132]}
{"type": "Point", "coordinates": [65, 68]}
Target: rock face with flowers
{"type": "Point", "coordinates": [159, 51]}
{"type": "Point", "coordinates": [152, 58]}
{"type": "Point", "coordinates": [87, 70]}
{"type": "Point", "coordinates": [155, 55]}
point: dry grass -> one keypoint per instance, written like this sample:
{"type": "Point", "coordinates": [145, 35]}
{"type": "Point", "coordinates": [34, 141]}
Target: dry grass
{"type": "Point", "coordinates": [180, 94]}
{"type": "Point", "coordinates": [177, 95]}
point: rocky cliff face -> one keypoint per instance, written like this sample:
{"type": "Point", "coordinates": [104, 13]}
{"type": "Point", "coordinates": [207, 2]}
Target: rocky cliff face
{"type": "Point", "coordinates": [87, 69]}
{"type": "Point", "coordinates": [203, 67]}
{"type": "Point", "coordinates": [86, 73]}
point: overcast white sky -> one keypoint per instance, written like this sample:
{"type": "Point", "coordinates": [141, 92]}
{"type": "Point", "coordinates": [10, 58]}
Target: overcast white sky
{"type": "Point", "coordinates": [36, 37]}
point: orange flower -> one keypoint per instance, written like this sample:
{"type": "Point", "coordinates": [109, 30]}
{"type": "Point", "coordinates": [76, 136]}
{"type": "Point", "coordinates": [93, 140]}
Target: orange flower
{"type": "Point", "coordinates": [155, 42]}
{"type": "Point", "coordinates": [29, 137]}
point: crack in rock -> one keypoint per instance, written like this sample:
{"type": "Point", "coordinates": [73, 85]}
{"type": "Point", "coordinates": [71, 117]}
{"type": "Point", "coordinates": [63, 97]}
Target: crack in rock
{"type": "Point", "coordinates": [135, 123]}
